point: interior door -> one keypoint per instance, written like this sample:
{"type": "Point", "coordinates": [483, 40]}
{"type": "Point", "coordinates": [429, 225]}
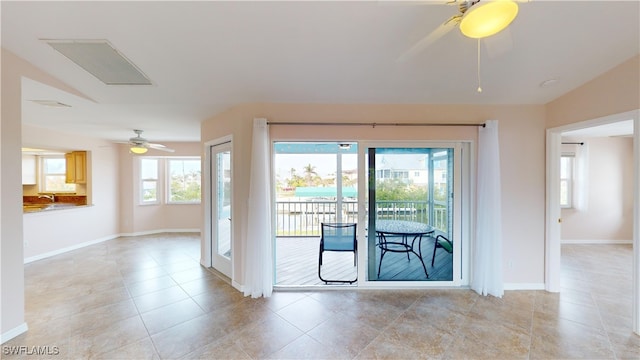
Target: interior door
{"type": "Point", "coordinates": [221, 229]}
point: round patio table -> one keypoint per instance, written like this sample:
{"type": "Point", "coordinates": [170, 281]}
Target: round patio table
{"type": "Point", "coordinates": [393, 236]}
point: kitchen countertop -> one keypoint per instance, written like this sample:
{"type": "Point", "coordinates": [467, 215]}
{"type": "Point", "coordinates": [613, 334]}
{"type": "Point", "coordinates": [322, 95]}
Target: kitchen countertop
{"type": "Point", "coordinates": [29, 208]}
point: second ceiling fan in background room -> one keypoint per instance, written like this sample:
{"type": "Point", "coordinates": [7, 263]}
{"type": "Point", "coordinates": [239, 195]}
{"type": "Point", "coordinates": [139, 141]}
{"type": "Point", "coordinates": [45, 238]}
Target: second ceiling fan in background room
{"type": "Point", "coordinates": [140, 145]}
{"type": "Point", "coordinates": [477, 20]}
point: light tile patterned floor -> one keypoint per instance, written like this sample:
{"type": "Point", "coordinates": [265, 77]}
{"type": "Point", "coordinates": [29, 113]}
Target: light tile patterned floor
{"type": "Point", "coordinates": [147, 298]}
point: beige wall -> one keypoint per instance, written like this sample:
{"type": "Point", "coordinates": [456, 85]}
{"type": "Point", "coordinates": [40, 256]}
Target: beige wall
{"type": "Point", "coordinates": [614, 92]}
{"type": "Point", "coordinates": [522, 159]}
{"type": "Point", "coordinates": [11, 252]}
{"type": "Point", "coordinates": [609, 211]}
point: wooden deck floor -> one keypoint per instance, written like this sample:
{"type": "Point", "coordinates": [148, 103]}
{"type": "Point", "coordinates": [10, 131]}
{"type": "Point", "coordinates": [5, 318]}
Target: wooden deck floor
{"type": "Point", "coordinates": [297, 263]}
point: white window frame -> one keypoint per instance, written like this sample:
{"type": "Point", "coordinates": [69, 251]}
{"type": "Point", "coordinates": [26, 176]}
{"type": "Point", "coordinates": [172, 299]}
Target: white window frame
{"type": "Point", "coordinates": [163, 181]}
{"type": "Point", "coordinates": [43, 175]}
{"type": "Point", "coordinates": [167, 161]}
{"type": "Point", "coordinates": [157, 180]}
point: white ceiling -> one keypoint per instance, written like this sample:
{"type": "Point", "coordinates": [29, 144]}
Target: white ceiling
{"type": "Point", "coordinates": [204, 57]}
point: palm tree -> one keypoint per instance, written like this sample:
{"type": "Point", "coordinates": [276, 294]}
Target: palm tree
{"type": "Point", "coordinates": [348, 181]}
{"type": "Point", "coordinates": [310, 174]}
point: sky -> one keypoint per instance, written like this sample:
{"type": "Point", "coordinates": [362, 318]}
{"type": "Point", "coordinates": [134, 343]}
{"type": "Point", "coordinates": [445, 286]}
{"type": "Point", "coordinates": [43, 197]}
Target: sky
{"type": "Point", "coordinates": [325, 164]}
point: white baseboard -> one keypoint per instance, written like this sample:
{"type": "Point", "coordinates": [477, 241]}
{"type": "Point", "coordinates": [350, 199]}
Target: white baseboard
{"type": "Point", "coordinates": [67, 249]}
{"type": "Point", "coordinates": [204, 263]}
{"type": "Point", "coordinates": [595, 241]}
{"type": "Point", "coordinates": [96, 241]}
{"type": "Point", "coordinates": [4, 337]}
{"type": "Point", "coordinates": [237, 286]}
{"type": "Point", "coordinates": [150, 232]}
{"type": "Point", "coordinates": [524, 286]}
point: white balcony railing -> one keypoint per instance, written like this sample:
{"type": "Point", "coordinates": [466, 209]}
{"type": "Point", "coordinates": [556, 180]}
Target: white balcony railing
{"type": "Point", "coordinates": [303, 218]}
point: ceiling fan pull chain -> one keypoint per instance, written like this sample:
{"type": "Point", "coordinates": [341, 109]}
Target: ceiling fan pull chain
{"type": "Point", "coordinates": [479, 81]}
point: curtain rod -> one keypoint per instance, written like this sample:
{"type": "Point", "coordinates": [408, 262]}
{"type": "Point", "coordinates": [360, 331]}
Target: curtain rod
{"type": "Point", "coordinates": [573, 143]}
{"type": "Point", "coordinates": [371, 124]}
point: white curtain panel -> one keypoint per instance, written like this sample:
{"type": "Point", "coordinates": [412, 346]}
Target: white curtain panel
{"type": "Point", "coordinates": [258, 263]}
{"type": "Point", "coordinates": [487, 250]}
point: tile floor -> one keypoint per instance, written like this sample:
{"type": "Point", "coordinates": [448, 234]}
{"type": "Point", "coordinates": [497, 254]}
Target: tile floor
{"type": "Point", "coordinates": [147, 298]}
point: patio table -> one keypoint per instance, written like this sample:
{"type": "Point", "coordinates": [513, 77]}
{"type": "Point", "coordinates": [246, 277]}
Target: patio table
{"type": "Point", "coordinates": [389, 230]}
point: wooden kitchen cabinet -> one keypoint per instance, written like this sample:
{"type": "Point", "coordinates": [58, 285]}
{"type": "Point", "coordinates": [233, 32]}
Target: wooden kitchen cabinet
{"type": "Point", "coordinates": [76, 162]}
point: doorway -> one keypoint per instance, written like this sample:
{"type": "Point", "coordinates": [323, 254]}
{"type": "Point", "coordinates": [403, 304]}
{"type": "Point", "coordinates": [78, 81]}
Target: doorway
{"type": "Point", "coordinates": [554, 219]}
{"type": "Point", "coordinates": [220, 207]}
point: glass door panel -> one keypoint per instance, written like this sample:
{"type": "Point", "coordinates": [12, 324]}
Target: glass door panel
{"type": "Point", "coordinates": [315, 183]}
{"type": "Point", "coordinates": [410, 203]}
{"type": "Point", "coordinates": [221, 207]}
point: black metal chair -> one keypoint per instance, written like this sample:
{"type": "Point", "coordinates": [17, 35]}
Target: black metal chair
{"type": "Point", "coordinates": [338, 237]}
{"type": "Point", "coordinates": [442, 243]}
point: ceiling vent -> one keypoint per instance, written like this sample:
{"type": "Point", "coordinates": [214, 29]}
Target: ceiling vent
{"type": "Point", "coordinates": [51, 103]}
{"type": "Point", "coordinates": [101, 60]}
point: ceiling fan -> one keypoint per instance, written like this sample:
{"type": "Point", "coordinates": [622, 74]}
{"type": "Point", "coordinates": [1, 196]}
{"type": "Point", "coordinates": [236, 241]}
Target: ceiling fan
{"type": "Point", "coordinates": [477, 20]}
{"type": "Point", "coordinates": [140, 145]}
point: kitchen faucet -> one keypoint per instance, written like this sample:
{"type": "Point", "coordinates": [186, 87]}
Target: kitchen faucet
{"type": "Point", "coordinates": [51, 197]}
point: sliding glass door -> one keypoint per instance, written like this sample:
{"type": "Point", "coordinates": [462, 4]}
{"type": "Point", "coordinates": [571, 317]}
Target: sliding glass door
{"type": "Point", "coordinates": [413, 224]}
{"type": "Point", "coordinates": [412, 195]}
{"type": "Point", "coordinates": [315, 183]}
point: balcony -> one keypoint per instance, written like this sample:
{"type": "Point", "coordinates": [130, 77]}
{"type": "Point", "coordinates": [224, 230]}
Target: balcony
{"type": "Point", "coordinates": [303, 218]}
{"type": "Point", "coordinates": [298, 237]}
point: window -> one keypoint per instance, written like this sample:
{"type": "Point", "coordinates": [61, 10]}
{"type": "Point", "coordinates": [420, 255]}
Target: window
{"type": "Point", "coordinates": [566, 180]}
{"type": "Point", "coordinates": [149, 181]}
{"type": "Point", "coordinates": [180, 185]}
{"type": "Point", "coordinates": [400, 174]}
{"type": "Point", "coordinates": [53, 172]}
{"type": "Point", "coordinates": [184, 180]}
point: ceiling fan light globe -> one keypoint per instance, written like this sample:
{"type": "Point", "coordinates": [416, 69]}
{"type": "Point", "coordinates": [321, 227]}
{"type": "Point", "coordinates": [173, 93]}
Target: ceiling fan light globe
{"type": "Point", "coordinates": [138, 149]}
{"type": "Point", "coordinates": [488, 19]}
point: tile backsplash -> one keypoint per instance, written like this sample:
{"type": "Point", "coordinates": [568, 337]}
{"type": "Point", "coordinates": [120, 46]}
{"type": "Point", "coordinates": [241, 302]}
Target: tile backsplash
{"type": "Point", "coordinates": [68, 199]}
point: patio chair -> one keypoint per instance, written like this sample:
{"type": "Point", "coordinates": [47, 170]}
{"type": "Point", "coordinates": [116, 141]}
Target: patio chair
{"type": "Point", "coordinates": [338, 237]}
{"type": "Point", "coordinates": [443, 243]}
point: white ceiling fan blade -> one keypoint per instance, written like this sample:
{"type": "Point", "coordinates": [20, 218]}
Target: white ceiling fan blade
{"type": "Point", "coordinates": [498, 44]}
{"type": "Point", "coordinates": [426, 41]}
{"type": "Point", "coordinates": [164, 149]}
{"type": "Point", "coordinates": [160, 147]}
